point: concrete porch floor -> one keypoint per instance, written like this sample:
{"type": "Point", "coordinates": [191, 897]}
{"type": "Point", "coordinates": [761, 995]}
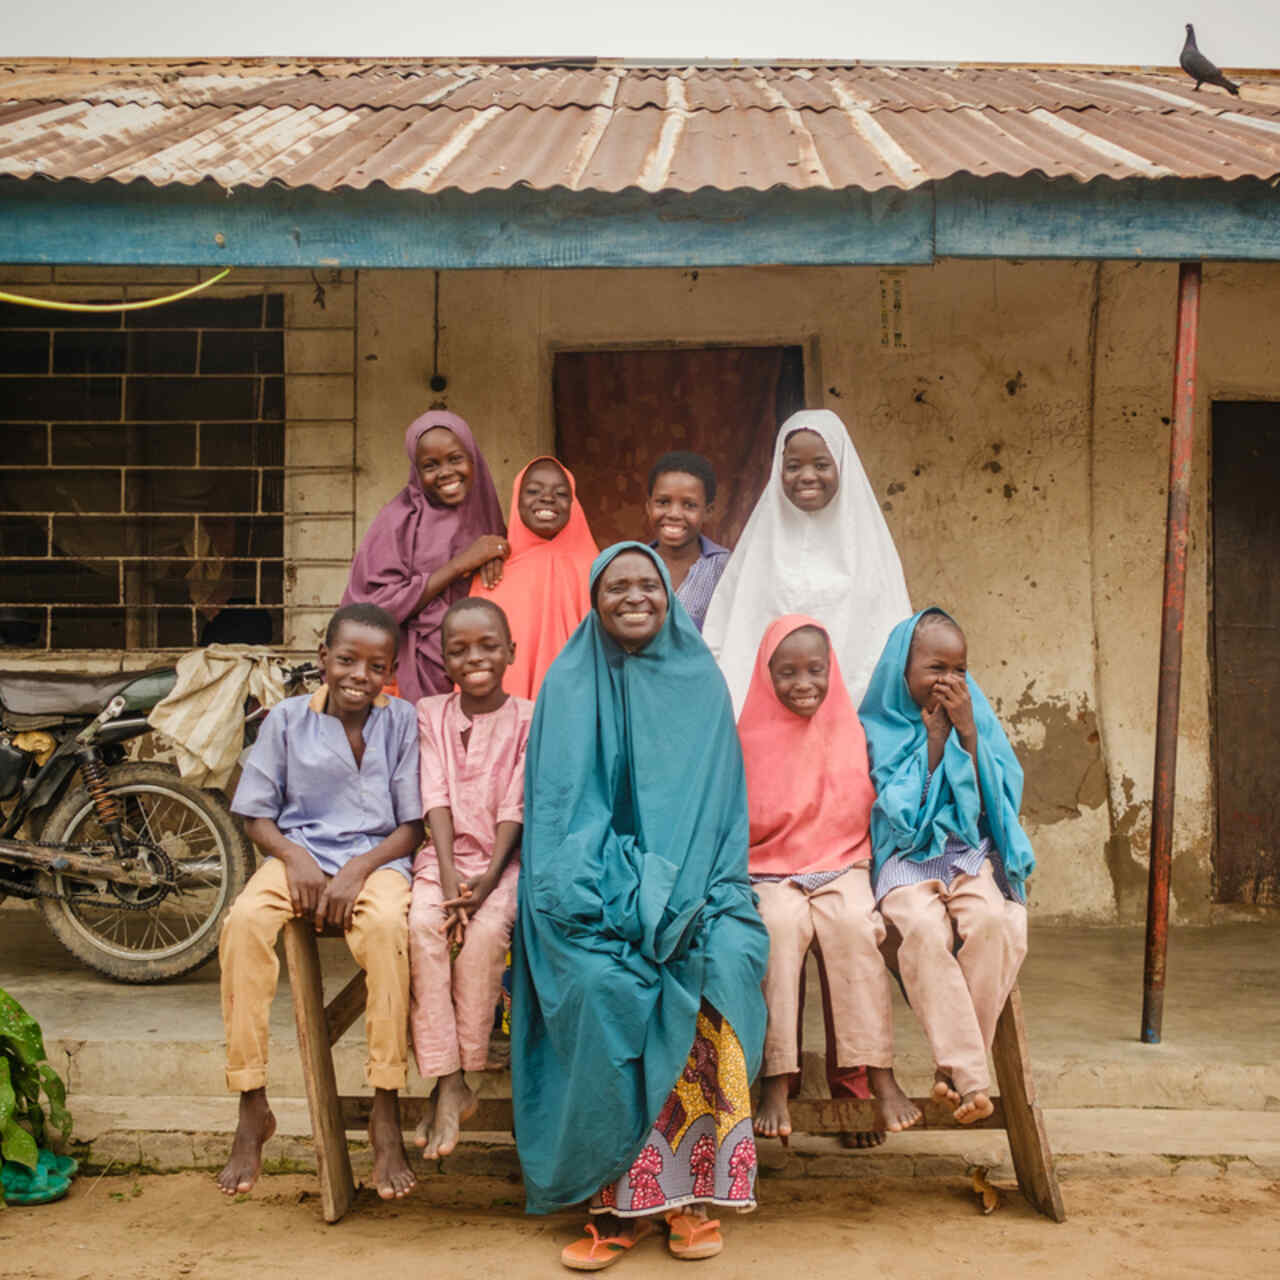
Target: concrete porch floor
{"type": "Point", "coordinates": [138, 1059]}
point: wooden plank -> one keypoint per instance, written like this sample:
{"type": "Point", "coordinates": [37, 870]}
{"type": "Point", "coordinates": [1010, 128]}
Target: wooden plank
{"type": "Point", "coordinates": [1173, 219]}
{"type": "Point", "coordinates": [1028, 1141]}
{"type": "Point", "coordinates": [104, 222]}
{"type": "Point", "coordinates": [855, 1115]}
{"type": "Point", "coordinates": [333, 1162]}
{"type": "Point", "coordinates": [996, 217]}
{"type": "Point", "coordinates": [346, 1007]}
{"type": "Point", "coordinates": [493, 1115]}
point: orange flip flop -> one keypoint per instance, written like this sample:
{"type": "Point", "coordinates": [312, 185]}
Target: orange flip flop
{"type": "Point", "coordinates": [594, 1252]}
{"type": "Point", "coordinates": [693, 1237]}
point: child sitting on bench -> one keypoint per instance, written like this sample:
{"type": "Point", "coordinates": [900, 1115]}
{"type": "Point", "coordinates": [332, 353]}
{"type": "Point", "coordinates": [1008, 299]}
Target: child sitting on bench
{"type": "Point", "coordinates": [810, 797]}
{"type": "Point", "coordinates": [330, 797]}
{"type": "Point", "coordinates": [951, 858]}
{"type": "Point", "coordinates": [464, 882]}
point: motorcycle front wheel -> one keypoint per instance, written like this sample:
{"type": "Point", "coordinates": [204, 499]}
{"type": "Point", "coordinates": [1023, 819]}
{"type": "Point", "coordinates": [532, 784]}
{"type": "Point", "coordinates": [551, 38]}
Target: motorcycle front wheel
{"type": "Point", "coordinates": [118, 933]}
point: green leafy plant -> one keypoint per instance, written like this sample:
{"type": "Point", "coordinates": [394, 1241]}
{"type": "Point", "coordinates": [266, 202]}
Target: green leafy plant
{"type": "Point", "coordinates": [25, 1074]}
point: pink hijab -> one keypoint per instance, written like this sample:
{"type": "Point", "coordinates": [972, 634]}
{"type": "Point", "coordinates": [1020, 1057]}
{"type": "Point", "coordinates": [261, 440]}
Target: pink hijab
{"type": "Point", "coordinates": [407, 542]}
{"type": "Point", "coordinates": [544, 590]}
{"type": "Point", "coordinates": [809, 790]}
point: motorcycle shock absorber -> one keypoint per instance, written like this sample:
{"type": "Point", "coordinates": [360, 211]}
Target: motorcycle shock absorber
{"type": "Point", "coordinates": [94, 773]}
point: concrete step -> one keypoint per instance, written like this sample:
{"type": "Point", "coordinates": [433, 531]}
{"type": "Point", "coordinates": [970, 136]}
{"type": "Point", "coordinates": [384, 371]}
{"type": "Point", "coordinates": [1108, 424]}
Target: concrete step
{"type": "Point", "coordinates": [1081, 995]}
{"type": "Point", "coordinates": [165, 1134]}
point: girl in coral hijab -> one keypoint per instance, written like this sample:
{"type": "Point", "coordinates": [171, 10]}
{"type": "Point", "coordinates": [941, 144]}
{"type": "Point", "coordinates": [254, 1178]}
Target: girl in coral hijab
{"type": "Point", "coordinates": [810, 798]}
{"type": "Point", "coordinates": [544, 590]}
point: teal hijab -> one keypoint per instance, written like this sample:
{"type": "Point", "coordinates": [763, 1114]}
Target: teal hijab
{"type": "Point", "coordinates": [634, 902]}
{"type": "Point", "coordinates": [898, 745]}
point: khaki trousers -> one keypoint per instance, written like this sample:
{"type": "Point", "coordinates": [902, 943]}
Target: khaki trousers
{"type": "Point", "coordinates": [841, 921]}
{"type": "Point", "coordinates": [378, 939]}
{"type": "Point", "coordinates": [958, 992]}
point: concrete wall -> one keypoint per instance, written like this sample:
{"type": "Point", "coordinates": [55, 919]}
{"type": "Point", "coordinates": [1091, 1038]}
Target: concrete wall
{"type": "Point", "coordinates": [1018, 444]}
{"type": "Point", "coordinates": [1020, 500]}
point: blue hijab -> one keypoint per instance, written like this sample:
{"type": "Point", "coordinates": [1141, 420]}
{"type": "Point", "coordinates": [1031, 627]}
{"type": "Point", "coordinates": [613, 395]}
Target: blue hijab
{"type": "Point", "coordinates": [898, 745]}
{"type": "Point", "coordinates": [634, 902]}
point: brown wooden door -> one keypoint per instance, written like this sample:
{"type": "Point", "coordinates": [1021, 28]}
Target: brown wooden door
{"type": "Point", "coordinates": [617, 412]}
{"type": "Point", "coordinates": [1246, 639]}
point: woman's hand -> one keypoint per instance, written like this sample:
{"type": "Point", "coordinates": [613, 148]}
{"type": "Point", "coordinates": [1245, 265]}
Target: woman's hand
{"type": "Point", "coordinates": [483, 551]}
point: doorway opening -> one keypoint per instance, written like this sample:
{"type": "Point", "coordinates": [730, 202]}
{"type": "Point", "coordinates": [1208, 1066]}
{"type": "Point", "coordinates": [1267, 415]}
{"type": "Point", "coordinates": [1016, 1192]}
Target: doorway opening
{"type": "Point", "coordinates": [1246, 650]}
{"type": "Point", "coordinates": [618, 411]}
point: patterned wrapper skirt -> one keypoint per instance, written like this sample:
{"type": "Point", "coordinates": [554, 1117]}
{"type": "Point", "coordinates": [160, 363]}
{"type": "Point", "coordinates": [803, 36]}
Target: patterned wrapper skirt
{"type": "Point", "coordinates": [702, 1147]}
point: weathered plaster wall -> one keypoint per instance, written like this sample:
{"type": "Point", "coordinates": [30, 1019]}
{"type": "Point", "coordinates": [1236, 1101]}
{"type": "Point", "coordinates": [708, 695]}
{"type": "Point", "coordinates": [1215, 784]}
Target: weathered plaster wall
{"type": "Point", "coordinates": [1032, 510]}
{"type": "Point", "coordinates": [1018, 445]}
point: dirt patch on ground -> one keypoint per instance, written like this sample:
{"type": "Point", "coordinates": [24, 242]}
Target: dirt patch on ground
{"type": "Point", "coordinates": [159, 1228]}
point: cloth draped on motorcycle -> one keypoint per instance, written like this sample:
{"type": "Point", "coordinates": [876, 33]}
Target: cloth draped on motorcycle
{"type": "Point", "coordinates": [203, 715]}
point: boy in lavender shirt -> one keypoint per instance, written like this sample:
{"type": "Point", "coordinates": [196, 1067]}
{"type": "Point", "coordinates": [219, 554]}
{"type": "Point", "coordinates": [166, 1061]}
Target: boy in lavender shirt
{"type": "Point", "coordinates": [330, 795]}
{"type": "Point", "coordinates": [682, 494]}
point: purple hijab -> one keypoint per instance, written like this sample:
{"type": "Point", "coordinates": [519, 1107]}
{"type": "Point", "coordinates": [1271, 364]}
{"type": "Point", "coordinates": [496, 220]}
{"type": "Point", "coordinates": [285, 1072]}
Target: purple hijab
{"type": "Point", "coordinates": [407, 542]}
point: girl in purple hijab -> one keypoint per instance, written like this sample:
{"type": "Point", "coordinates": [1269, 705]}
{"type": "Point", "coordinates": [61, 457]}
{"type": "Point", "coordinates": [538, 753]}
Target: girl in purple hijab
{"type": "Point", "coordinates": [424, 545]}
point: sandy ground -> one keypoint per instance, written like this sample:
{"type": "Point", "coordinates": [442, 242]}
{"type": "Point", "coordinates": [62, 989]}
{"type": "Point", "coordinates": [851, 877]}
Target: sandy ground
{"type": "Point", "coordinates": [159, 1228]}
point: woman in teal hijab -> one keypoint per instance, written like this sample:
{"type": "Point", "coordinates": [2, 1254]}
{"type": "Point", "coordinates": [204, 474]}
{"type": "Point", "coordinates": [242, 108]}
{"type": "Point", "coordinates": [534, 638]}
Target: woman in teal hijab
{"type": "Point", "coordinates": [637, 1014]}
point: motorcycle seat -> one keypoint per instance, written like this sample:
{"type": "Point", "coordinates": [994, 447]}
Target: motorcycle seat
{"type": "Point", "coordinates": [60, 693]}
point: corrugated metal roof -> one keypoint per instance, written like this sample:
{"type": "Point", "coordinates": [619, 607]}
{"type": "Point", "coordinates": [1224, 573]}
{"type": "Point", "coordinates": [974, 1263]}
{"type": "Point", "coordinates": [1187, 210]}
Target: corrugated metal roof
{"type": "Point", "coordinates": [472, 126]}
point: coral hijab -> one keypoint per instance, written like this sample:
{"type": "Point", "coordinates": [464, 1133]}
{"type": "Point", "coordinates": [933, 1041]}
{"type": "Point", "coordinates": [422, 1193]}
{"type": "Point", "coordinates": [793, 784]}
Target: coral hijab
{"type": "Point", "coordinates": [544, 590]}
{"type": "Point", "coordinates": [808, 780]}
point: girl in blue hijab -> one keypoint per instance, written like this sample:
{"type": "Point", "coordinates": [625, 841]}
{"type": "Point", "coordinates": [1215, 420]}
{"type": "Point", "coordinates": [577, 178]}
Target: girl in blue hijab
{"type": "Point", "coordinates": [949, 856]}
{"type": "Point", "coordinates": [637, 1015]}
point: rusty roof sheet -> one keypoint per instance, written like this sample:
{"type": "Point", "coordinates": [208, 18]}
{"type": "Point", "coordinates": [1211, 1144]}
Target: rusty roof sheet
{"type": "Point", "coordinates": [472, 126]}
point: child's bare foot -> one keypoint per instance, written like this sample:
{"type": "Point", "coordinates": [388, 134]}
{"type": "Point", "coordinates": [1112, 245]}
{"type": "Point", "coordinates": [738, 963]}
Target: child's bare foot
{"type": "Point", "coordinates": [391, 1173]}
{"type": "Point", "coordinates": [975, 1105]}
{"type": "Point", "coordinates": [773, 1116]}
{"type": "Point", "coordinates": [863, 1141]}
{"type": "Point", "coordinates": [424, 1125]}
{"type": "Point", "coordinates": [253, 1132]}
{"type": "Point", "coordinates": [943, 1088]}
{"type": "Point", "coordinates": [895, 1110]}
{"type": "Point", "coordinates": [454, 1103]}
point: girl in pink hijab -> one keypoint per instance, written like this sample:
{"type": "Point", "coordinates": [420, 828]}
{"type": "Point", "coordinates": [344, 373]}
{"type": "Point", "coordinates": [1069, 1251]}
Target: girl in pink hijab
{"type": "Point", "coordinates": [424, 546]}
{"type": "Point", "coordinates": [809, 797]}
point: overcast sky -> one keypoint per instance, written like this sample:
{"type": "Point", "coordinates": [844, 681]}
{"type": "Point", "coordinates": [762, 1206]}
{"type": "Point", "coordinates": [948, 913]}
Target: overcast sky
{"type": "Point", "coordinates": [1245, 33]}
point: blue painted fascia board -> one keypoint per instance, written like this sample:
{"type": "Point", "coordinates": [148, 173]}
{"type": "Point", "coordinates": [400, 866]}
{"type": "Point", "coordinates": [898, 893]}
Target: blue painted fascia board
{"type": "Point", "coordinates": [1168, 218]}
{"type": "Point", "coordinates": [139, 224]}
{"type": "Point", "coordinates": [965, 217]}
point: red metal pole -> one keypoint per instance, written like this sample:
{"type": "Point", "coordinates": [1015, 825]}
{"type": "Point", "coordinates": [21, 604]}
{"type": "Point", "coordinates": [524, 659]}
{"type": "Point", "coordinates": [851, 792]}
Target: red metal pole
{"type": "Point", "coordinates": [1175, 597]}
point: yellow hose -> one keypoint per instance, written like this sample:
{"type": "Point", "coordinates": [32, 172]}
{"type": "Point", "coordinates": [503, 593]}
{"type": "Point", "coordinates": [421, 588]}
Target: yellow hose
{"type": "Point", "coordinates": [49, 304]}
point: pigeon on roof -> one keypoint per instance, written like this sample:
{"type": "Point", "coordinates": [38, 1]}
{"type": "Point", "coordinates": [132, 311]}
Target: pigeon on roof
{"type": "Point", "coordinates": [1200, 69]}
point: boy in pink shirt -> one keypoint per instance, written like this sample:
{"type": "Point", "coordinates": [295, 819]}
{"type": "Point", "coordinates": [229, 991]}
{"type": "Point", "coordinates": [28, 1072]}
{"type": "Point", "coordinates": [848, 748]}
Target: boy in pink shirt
{"type": "Point", "coordinates": [472, 746]}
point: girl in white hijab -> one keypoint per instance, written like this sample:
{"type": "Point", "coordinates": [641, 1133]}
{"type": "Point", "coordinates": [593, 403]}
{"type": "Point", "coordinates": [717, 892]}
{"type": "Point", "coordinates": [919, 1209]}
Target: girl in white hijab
{"type": "Point", "coordinates": [817, 544]}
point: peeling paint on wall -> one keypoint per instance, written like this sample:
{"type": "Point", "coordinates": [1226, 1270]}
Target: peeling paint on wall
{"type": "Point", "coordinates": [1061, 753]}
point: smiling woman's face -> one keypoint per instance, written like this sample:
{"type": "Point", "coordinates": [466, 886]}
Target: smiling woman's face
{"type": "Point", "coordinates": [545, 499]}
{"type": "Point", "coordinates": [631, 599]}
{"type": "Point", "coordinates": [810, 477]}
{"type": "Point", "coordinates": [444, 467]}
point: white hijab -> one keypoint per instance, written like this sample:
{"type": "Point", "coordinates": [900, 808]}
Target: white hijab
{"type": "Point", "coordinates": [837, 565]}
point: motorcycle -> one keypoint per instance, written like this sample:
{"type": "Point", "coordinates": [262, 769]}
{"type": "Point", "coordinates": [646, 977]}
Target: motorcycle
{"type": "Point", "coordinates": [132, 868]}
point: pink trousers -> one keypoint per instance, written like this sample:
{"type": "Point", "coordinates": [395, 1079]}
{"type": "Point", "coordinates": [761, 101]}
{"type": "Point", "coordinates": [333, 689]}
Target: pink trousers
{"type": "Point", "coordinates": [452, 1002]}
{"type": "Point", "coordinates": [841, 921]}
{"type": "Point", "coordinates": [958, 991]}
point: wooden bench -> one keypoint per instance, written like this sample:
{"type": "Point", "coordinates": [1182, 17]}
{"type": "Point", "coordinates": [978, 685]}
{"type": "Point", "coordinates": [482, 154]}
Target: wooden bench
{"type": "Point", "coordinates": [333, 1114]}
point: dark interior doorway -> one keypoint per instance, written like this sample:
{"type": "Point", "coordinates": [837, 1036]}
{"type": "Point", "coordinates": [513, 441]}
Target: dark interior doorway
{"type": "Point", "coordinates": [618, 411]}
{"type": "Point", "coordinates": [1246, 648]}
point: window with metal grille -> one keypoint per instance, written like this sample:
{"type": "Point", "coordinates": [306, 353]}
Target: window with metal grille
{"type": "Point", "coordinates": [141, 475]}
